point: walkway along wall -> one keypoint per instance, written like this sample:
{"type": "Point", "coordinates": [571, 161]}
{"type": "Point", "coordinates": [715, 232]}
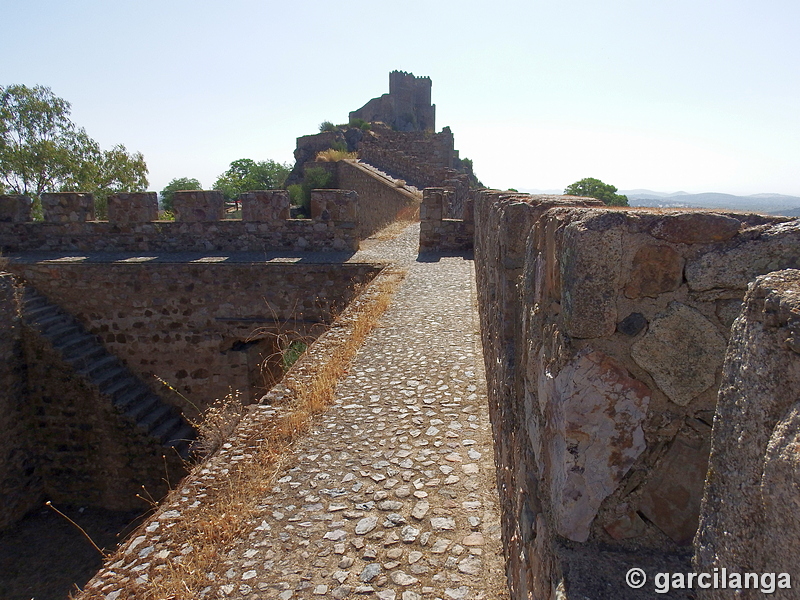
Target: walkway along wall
{"type": "Point", "coordinates": [604, 332]}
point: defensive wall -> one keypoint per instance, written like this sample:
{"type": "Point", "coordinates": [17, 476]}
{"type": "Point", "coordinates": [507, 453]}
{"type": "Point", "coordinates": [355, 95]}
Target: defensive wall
{"type": "Point", "coordinates": [383, 199]}
{"type": "Point", "coordinates": [97, 313]}
{"type": "Point", "coordinates": [604, 334]}
{"type": "Point", "coordinates": [421, 158]}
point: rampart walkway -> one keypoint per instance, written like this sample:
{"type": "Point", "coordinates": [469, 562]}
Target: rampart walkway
{"type": "Point", "coordinates": [392, 495]}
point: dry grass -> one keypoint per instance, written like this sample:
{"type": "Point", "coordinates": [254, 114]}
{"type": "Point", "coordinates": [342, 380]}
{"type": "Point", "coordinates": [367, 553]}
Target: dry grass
{"type": "Point", "coordinates": [211, 529]}
{"type": "Point", "coordinates": [331, 155]}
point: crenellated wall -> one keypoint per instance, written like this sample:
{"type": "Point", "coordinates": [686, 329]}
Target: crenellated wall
{"type": "Point", "coordinates": [604, 332]}
{"type": "Point", "coordinates": [68, 225]}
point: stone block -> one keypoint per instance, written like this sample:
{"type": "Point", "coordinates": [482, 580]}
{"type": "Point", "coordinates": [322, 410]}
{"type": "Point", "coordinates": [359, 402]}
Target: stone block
{"type": "Point", "coordinates": [133, 207]}
{"type": "Point", "coordinates": [737, 264]}
{"type": "Point", "coordinates": [590, 276]}
{"type": "Point", "coordinates": [15, 208]}
{"type": "Point", "coordinates": [671, 497]}
{"type": "Point", "coordinates": [67, 207]}
{"type": "Point", "coordinates": [432, 204]}
{"type": "Point", "coordinates": [655, 270]}
{"type": "Point", "coordinates": [591, 436]}
{"type": "Point", "coordinates": [695, 228]}
{"type": "Point", "coordinates": [339, 206]}
{"type": "Point", "coordinates": [748, 518]}
{"type": "Point", "coordinates": [682, 351]}
{"type": "Point", "coordinates": [265, 205]}
{"type": "Point", "coordinates": [198, 206]}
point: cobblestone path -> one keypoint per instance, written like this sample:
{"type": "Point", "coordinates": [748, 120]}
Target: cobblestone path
{"type": "Point", "coordinates": [392, 494]}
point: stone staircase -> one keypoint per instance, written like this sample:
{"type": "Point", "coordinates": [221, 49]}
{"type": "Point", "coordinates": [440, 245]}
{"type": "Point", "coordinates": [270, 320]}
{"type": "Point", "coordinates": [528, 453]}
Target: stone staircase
{"type": "Point", "coordinates": [91, 361]}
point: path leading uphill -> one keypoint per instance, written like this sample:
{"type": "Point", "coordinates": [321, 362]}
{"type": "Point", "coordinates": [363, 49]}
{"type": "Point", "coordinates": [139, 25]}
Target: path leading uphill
{"type": "Point", "coordinates": [392, 495]}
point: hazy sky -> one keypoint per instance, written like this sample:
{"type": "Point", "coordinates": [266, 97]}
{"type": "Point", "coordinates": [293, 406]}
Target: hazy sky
{"type": "Point", "coordinates": [691, 95]}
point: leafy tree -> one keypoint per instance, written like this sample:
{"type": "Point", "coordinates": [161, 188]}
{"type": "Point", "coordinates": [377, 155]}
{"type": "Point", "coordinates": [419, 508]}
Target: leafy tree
{"type": "Point", "coordinates": [594, 188]}
{"type": "Point", "coordinates": [177, 185]}
{"type": "Point", "coordinates": [245, 175]}
{"type": "Point", "coordinates": [42, 150]}
{"type": "Point", "coordinates": [326, 126]}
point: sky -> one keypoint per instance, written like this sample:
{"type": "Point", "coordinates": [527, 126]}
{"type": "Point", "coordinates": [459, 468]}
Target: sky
{"type": "Point", "coordinates": [679, 95]}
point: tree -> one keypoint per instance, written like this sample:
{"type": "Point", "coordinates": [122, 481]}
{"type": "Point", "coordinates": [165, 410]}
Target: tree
{"type": "Point", "coordinates": [594, 188]}
{"type": "Point", "coordinates": [42, 150]}
{"type": "Point", "coordinates": [245, 175]}
{"type": "Point", "coordinates": [177, 185]}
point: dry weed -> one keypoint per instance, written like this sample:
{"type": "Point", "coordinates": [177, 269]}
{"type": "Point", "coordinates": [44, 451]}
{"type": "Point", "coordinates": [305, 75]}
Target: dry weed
{"type": "Point", "coordinates": [211, 529]}
{"type": "Point", "coordinates": [331, 155]}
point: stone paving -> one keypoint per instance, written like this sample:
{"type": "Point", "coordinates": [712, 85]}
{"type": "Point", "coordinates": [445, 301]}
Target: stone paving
{"type": "Point", "coordinates": [392, 494]}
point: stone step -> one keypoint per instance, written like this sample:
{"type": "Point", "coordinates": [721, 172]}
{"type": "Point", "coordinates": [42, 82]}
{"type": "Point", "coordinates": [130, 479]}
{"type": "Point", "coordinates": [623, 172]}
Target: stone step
{"type": "Point", "coordinates": [126, 392]}
{"type": "Point", "coordinates": [40, 311]}
{"type": "Point", "coordinates": [107, 378]}
{"type": "Point", "coordinates": [155, 417]}
{"type": "Point", "coordinates": [50, 321]}
{"type": "Point", "coordinates": [75, 341]}
{"type": "Point", "coordinates": [59, 332]}
{"type": "Point", "coordinates": [95, 368]}
{"type": "Point", "coordinates": [82, 355]}
{"type": "Point", "coordinates": [141, 407]}
{"type": "Point", "coordinates": [88, 356]}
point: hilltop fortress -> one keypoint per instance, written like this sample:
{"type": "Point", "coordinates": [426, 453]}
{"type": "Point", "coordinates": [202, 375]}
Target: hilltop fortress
{"type": "Point", "coordinates": [642, 366]}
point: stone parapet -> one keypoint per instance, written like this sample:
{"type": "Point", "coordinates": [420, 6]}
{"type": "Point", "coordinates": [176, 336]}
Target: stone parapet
{"type": "Point", "coordinates": [132, 207]}
{"type": "Point", "coordinates": [15, 208]}
{"type": "Point", "coordinates": [335, 206]}
{"type": "Point", "coordinates": [604, 332]}
{"type": "Point", "coordinates": [440, 234]}
{"type": "Point", "coordinates": [199, 206]}
{"type": "Point", "coordinates": [67, 207]}
{"type": "Point", "coordinates": [265, 206]}
{"type": "Point", "coordinates": [748, 520]}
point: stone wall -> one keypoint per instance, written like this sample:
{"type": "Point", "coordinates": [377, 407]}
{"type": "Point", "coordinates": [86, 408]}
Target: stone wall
{"type": "Point", "coordinates": [205, 327]}
{"type": "Point", "coordinates": [381, 201]}
{"type": "Point", "coordinates": [440, 234]}
{"type": "Point", "coordinates": [86, 453]}
{"type": "Point", "coordinates": [67, 228]}
{"type": "Point", "coordinates": [20, 485]}
{"type": "Point", "coordinates": [604, 332]}
{"type": "Point", "coordinates": [749, 520]}
{"type": "Point", "coordinates": [422, 158]}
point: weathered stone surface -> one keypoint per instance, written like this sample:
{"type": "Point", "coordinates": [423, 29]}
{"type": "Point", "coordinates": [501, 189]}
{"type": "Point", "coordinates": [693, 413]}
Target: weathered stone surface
{"type": "Point", "coordinates": [67, 207]}
{"type": "Point", "coordinates": [590, 274]}
{"type": "Point", "coordinates": [671, 497]}
{"type": "Point", "coordinates": [629, 525]}
{"type": "Point", "coordinates": [198, 206]}
{"type": "Point", "coordinates": [655, 270]}
{"type": "Point", "coordinates": [132, 207]}
{"type": "Point", "coordinates": [748, 519]}
{"type": "Point", "coordinates": [15, 208]}
{"type": "Point", "coordinates": [682, 351]}
{"type": "Point", "coordinates": [695, 228]}
{"type": "Point", "coordinates": [265, 205]}
{"type": "Point", "coordinates": [776, 247]}
{"type": "Point", "coordinates": [334, 205]}
{"type": "Point", "coordinates": [592, 435]}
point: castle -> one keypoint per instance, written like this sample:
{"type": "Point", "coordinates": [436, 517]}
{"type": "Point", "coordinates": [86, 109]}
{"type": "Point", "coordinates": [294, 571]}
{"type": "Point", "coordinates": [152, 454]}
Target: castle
{"type": "Point", "coordinates": [617, 344]}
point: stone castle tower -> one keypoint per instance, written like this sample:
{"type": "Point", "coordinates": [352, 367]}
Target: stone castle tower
{"type": "Point", "coordinates": [407, 106]}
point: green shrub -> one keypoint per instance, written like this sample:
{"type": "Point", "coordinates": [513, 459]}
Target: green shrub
{"type": "Point", "coordinates": [326, 126]}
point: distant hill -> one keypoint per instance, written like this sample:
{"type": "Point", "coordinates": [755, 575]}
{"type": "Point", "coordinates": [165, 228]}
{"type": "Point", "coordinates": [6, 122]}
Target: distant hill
{"type": "Point", "coordinates": [774, 204]}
